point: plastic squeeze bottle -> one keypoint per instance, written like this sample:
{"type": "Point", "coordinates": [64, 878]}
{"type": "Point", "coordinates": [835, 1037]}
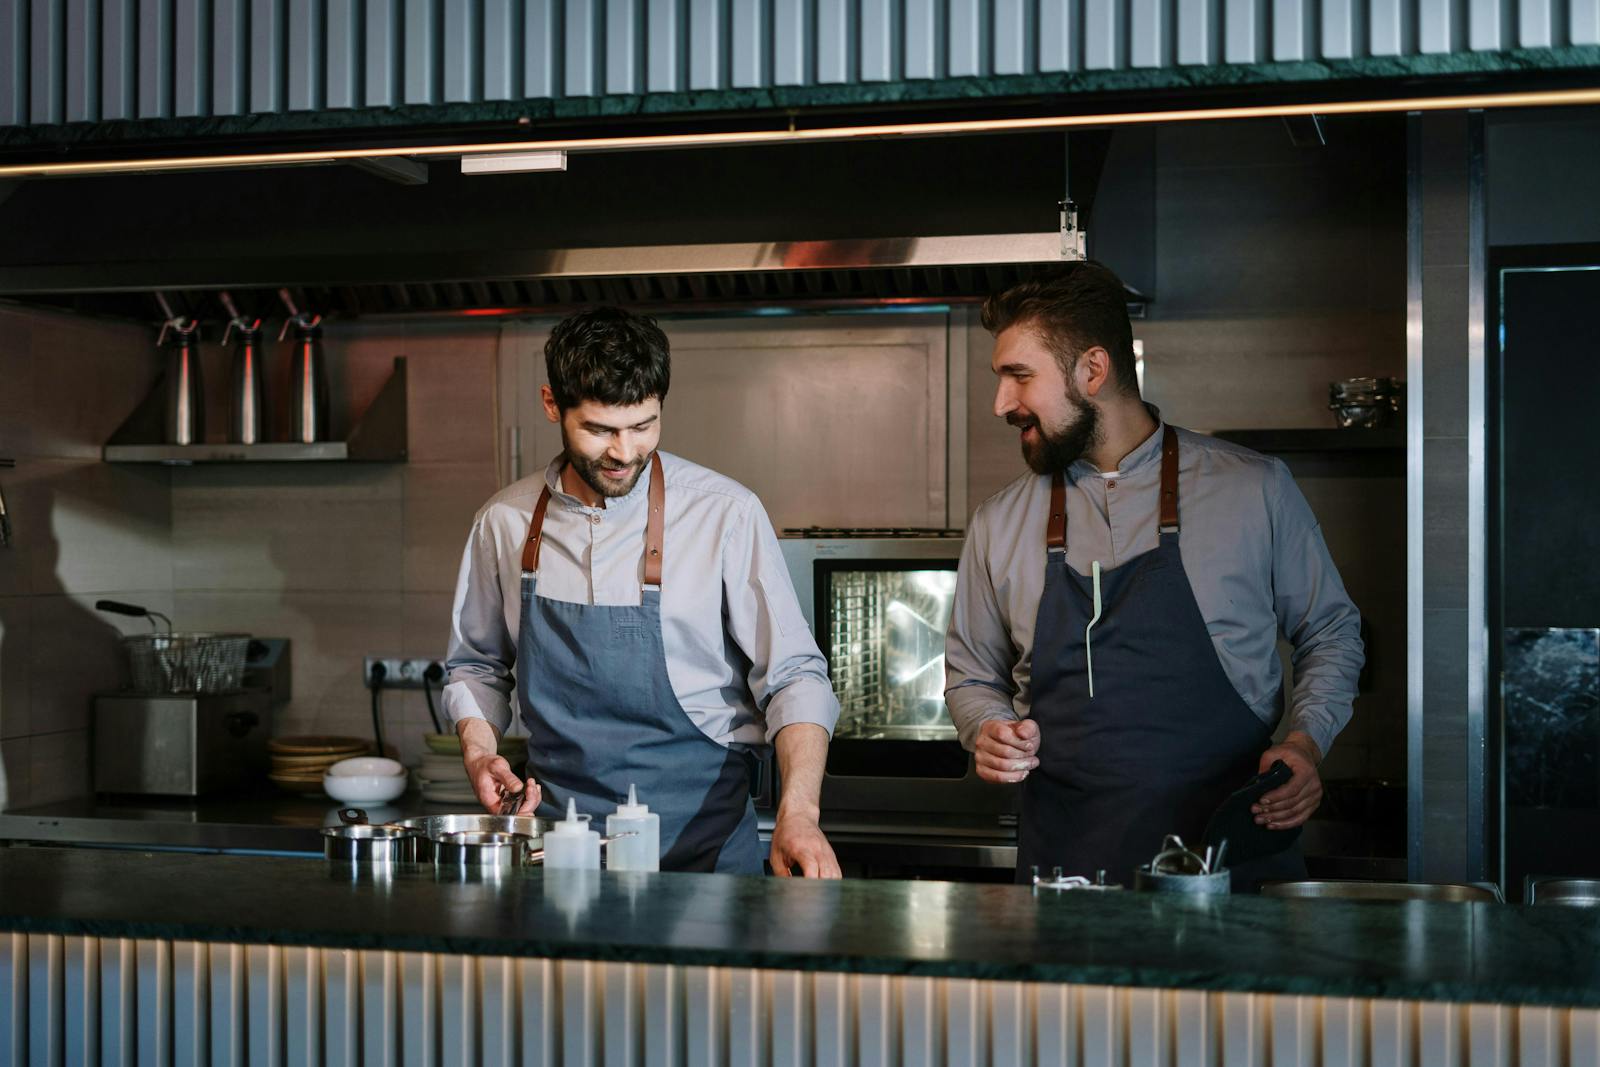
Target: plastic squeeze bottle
{"type": "Point", "coordinates": [641, 852]}
{"type": "Point", "coordinates": [570, 844]}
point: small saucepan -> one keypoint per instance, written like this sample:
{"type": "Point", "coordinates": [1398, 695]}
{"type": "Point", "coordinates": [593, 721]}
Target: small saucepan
{"type": "Point", "coordinates": [371, 846]}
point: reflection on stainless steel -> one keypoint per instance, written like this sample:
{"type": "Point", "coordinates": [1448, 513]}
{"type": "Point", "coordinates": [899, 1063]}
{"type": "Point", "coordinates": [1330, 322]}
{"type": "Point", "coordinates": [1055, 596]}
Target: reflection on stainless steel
{"type": "Point", "coordinates": [1352, 890]}
{"type": "Point", "coordinates": [886, 652]}
{"type": "Point", "coordinates": [1573, 892]}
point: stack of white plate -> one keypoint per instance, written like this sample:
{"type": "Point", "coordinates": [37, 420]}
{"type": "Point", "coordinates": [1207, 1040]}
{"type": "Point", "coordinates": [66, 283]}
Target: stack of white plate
{"type": "Point", "coordinates": [442, 777]}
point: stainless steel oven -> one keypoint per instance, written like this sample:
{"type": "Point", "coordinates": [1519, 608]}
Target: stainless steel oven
{"type": "Point", "coordinates": [879, 604]}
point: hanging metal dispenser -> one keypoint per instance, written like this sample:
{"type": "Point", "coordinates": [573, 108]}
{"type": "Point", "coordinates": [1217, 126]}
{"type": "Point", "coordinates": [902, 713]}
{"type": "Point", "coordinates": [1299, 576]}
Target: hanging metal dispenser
{"type": "Point", "coordinates": [308, 375]}
{"type": "Point", "coordinates": [184, 421]}
{"type": "Point", "coordinates": [247, 415]}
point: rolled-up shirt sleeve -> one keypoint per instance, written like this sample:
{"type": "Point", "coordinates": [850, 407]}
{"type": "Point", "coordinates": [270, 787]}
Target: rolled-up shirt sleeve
{"type": "Point", "coordinates": [479, 665]}
{"type": "Point", "coordinates": [1315, 614]}
{"type": "Point", "coordinates": [979, 655]}
{"type": "Point", "coordinates": [788, 675]}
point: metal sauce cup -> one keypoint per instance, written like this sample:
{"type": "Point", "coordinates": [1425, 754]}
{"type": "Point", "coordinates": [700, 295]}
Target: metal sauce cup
{"type": "Point", "coordinates": [483, 853]}
{"type": "Point", "coordinates": [370, 845]}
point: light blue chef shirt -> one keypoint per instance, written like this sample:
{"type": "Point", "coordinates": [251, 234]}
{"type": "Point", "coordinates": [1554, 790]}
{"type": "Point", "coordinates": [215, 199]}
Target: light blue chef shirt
{"type": "Point", "coordinates": [1253, 552]}
{"type": "Point", "coordinates": [740, 656]}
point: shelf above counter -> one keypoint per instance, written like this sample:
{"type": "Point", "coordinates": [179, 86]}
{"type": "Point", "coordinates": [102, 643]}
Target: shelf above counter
{"type": "Point", "coordinates": [379, 436]}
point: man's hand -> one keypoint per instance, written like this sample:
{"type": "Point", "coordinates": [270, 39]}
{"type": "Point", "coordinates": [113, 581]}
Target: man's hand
{"type": "Point", "coordinates": [797, 841]}
{"type": "Point", "coordinates": [1006, 751]}
{"type": "Point", "coordinates": [1292, 803]}
{"type": "Point", "coordinates": [488, 771]}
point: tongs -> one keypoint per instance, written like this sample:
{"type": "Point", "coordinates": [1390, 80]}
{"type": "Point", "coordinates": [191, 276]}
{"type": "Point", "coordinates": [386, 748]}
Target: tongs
{"type": "Point", "coordinates": [1177, 858]}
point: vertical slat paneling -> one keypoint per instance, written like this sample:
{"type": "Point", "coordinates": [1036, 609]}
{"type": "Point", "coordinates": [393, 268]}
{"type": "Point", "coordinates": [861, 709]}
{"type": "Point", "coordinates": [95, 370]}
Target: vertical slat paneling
{"type": "Point", "coordinates": [1243, 31]}
{"type": "Point", "coordinates": [1102, 34]}
{"type": "Point", "coordinates": [836, 42]}
{"type": "Point", "coordinates": [921, 1020]}
{"type": "Point", "coordinates": [341, 1011]}
{"type": "Point", "coordinates": [543, 73]}
{"type": "Point", "coordinates": [1149, 1033]}
{"type": "Point", "coordinates": [230, 57]}
{"type": "Point", "coordinates": [665, 45]}
{"type": "Point", "coordinates": [1389, 27]}
{"type": "Point", "coordinates": [342, 76]}
{"type": "Point", "coordinates": [118, 986]}
{"type": "Point", "coordinates": [1344, 1032]}
{"type": "Point", "coordinates": [1149, 34]}
{"type": "Point", "coordinates": [624, 47]}
{"type": "Point", "coordinates": [538, 987]}
{"type": "Point", "coordinates": [581, 49]}
{"type": "Point", "coordinates": [925, 46]}
{"type": "Point", "coordinates": [306, 74]}
{"type": "Point", "coordinates": [622, 1000]}
{"type": "Point", "coordinates": [420, 71]}
{"type": "Point", "coordinates": [1197, 32]}
{"type": "Point", "coordinates": [155, 59]}
{"type": "Point", "coordinates": [381, 52]}
{"type": "Point", "coordinates": [1292, 1029]}
{"type": "Point", "coordinates": [47, 91]}
{"type": "Point", "coordinates": [458, 1009]}
{"type": "Point", "coordinates": [83, 60]}
{"type": "Point", "coordinates": [1438, 26]}
{"type": "Point", "coordinates": [1194, 1029]}
{"type": "Point", "coordinates": [498, 1038]}
{"type": "Point", "coordinates": [119, 76]}
{"type": "Point", "coordinates": [1015, 35]}
{"type": "Point", "coordinates": [1536, 24]}
{"type": "Point", "coordinates": [832, 1022]}
{"type": "Point", "coordinates": [1489, 1033]}
{"type": "Point", "coordinates": [747, 1018]}
{"type": "Point", "coordinates": [748, 33]}
{"type": "Point", "coordinates": [1391, 1025]}
{"type": "Point", "coordinates": [463, 51]}
{"type": "Point", "coordinates": [1010, 1028]}
{"type": "Point", "coordinates": [968, 39]}
{"type": "Point", "coordinates": [966, 1033]}
{"type": "Point", "coordinates": [226, 988]}
{"type": "Point", "coordinates": [153, 1003]}
{"type": "Point", "coordinates": [502, 49]}
{"type": "Point", "coordinates": [47, 990]}
{"type": "Point", "coordinates": [877, 1019]}
{"type": "Point", "coordinates": [1099, 1018]}
{"type": "Point", "coordinates": [1291, 31]}
{"type": "Point", "coordinates": [1487, 23]}
{"type": "Point", "coordinates": [380, 1003]}
{"type": "Point", "coordinates": [1438, 1035]}
{"type": "Point", "coordinates": [263, 970]}
{"type": "Point", "coordinates": [1584, 1036]}
{"type": "Point", "coordinates": [191, 94]}
{"type": "Point", "coordinates": [82, 1000]}
{"type": "Point", "coordinates": [302, 1006]}
{"type": "Point", "coordinates": [324, 999]}
{"type": "Point", "coordinates": [1584, 22]}
{"type": "Point", "coordinates": [420, 1010]}
{"type": "Point", "coordinates": [1055, 1029]}
{"type": "Point", "coordinates": [580, 1013]}
{"type": "Point", "coordinates": [707, 44]}
{"type": "Point", "coordinates": [1341, 36]}
{"type": "Point", "coordinates": [191, 1004]}
{"type": "Point", "coordinates": [13, 62]}
{"type": "Point", "coordinates": [881, 40]}
{"type": "Point", "coordinates": [266, 55]}
{"type": "Point", "coordinates": [791, 43]}
{"type": "Point", "coordinates": [792, 1025]}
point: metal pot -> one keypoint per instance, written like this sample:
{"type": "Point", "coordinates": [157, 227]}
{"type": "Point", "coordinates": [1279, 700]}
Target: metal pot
{"type": "Point", "coordinates": [1456, 892]}
{"type": "Point", "coordinates": [1572, 892]}
{"type": "Point", "coordinates": [434, 827]}
{"type": "Point", "coordinates": [478, 853]}
{"type": "Point", "coordinates": [370, 845]}
{"type": "Point", "coordinates": [1195, 885]}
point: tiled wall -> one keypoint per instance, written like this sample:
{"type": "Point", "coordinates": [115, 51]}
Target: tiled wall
{"type": "Point", "coordinates": [1278, 269]}
{"type": "Point", "coordinates": [83, 530]}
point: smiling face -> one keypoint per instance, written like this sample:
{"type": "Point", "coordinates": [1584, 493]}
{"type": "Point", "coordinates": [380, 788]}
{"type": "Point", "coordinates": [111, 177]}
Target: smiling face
{"type": "Point", "coordinates": [1058, 422]}
{"type": "Point", "coordinates": [608, 445]}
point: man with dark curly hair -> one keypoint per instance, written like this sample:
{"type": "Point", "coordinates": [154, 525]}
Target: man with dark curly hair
{"type": "Point", "coordinates": [638, 607]}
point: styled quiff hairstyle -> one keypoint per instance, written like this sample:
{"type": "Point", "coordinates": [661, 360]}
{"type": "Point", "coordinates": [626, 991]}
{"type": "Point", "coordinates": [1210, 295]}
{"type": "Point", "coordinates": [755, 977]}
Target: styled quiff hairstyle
{"type": "Point", "coordinates": [1072, 309]}
{"type": "Point", "coordinates": [607, 355]}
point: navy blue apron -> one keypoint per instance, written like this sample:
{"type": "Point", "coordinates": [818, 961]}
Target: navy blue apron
{"type": "Point", "coordinates": [1164, 738]}
{"type": "Point", "coordinates": [601, 714]}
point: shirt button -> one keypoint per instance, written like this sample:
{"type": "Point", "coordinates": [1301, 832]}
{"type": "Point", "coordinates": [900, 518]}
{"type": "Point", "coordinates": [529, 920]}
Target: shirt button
{"type": "Point", "coordinates": [1111, 485]}
{"type": "Point", "coordinates": [595, 519]}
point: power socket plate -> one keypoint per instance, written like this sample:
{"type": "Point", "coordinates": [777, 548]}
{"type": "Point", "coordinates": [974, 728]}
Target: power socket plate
{"type": "Point", "coordinates": [401, 673]}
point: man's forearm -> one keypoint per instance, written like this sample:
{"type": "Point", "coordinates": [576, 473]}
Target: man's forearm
{"type": "Point", "coordinates": [802, 755]}
{"type": "Point", "coordinates": [477, 735]}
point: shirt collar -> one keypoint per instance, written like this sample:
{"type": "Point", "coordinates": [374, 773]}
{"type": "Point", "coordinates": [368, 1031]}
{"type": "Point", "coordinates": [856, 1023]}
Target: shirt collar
{"type": "Point", "coordinates": [1144, 453]}
{"type": "Point", "coordinates": [552, 478]}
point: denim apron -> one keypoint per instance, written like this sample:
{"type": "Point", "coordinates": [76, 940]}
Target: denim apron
{"type": "Point", "coordinates": [1165, 737]}
{"type": "Point", "coordinates": [601, 715]}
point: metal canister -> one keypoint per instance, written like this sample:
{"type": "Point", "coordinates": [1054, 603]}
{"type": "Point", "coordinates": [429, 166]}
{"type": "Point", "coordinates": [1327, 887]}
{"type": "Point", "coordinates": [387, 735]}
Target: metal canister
{"type": "Point", "coordinates": [184, 420]}
{"type": "Point", "coordinates": [247, 418]}
{"type": "Point", "coordinates": [308, 385]}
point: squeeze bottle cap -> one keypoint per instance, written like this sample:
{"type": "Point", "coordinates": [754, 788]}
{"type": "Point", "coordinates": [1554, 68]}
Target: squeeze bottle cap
{"type": "Point", "coordinates": [632, 809]}
{"type": "Point", "coordinates": [573, 823]}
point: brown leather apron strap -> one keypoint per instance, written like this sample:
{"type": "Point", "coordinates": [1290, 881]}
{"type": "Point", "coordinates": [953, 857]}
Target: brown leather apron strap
{"type": "Point", "coordinates": [530, 548]}
{"type": "Point", "coordinates": [655, 523]}
{"type": "Point", "coordinates": [654, 527]}
{"type": "Point", "coordinates": [1056, 532]}
{"type": "Point", "coordinates": [1169, 481]}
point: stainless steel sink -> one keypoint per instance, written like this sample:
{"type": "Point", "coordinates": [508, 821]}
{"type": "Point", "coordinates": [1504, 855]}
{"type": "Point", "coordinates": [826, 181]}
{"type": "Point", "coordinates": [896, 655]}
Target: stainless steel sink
{"type": "Point", "coordinates": [1573, 892]}
{"type": "Point", "coordinates": [1353, 890]}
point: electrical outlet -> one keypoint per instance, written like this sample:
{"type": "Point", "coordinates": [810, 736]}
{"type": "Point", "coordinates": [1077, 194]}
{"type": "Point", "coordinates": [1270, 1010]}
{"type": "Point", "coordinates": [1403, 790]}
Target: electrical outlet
{"type": "Point", "coordinates": [399, 673]}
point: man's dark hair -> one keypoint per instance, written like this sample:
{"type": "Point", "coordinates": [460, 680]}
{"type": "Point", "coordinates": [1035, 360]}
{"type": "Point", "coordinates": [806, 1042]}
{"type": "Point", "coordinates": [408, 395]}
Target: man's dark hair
{"type": "Point", "coordinates": [1072, 309]}
{"type": "Point", "coordinates": [607, 355]}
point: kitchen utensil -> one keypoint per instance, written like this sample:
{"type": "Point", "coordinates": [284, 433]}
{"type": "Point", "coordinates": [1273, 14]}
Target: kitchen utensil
{"type": "Point", "coordinates": [1176, 868]}
{"type": "Point", "coordinates": [1234, 823]}
{"type": "Point", "coordinates": [462, 849]}
{"type": "Point", "coordinates": [308, 375]}
{"type": "Point", "coordinates": [183, 421]}
{"type": "Point", "coordinates": [180, 662]}
{"type": "Point", "coordinates": [365, 844]}
{"type": "Point", "coordinates": [1572, 892]}
{"type": "Point", "coordinates": [247, 414]}
{"type": "Point", "coordinates": [1366, 403]}
{"type": "Point", "coordinates": [1356, 890]}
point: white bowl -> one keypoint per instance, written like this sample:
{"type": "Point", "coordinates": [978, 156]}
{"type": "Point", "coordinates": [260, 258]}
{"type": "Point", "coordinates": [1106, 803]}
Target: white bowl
{"type": "Point", "coordinates": [367, 767]}
{"type": "Point", "coordinates": [364, 788]}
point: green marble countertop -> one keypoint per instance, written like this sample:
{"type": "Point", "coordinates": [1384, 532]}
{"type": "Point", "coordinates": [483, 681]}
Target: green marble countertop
{"type": "Point", "coordinates": [1457, 952]}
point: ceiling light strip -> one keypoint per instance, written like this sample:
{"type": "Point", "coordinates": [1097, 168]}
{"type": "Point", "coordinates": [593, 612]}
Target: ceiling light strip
{"type": "Point", "coordinates": [1546, 98]}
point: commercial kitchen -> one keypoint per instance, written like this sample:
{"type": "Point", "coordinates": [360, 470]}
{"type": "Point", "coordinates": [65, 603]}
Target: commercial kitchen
{"type": "Point", "coordinates": [291, 298]}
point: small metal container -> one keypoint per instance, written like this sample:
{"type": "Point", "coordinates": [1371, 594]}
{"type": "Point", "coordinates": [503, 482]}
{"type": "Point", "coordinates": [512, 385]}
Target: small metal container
{"type": "Point", "coordinates": [1571, 892]}
{"type": "Point", "coordinates": [434, 827]}
{"type": "Point", "coordinates": [370, 845]}
{"type": "Point", "coordinates": [1452, 892]}
{"type": "Point", "coordinates": [1194, 885]}
{"type": "Point", "coordinates": [479, 853]}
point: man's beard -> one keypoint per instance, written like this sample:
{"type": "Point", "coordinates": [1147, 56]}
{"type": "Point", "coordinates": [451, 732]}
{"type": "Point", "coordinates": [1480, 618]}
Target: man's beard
{"type": "Point", "coordinates": [590, 471]}
{"type": "Point", "coordinates": [1051, 453]}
